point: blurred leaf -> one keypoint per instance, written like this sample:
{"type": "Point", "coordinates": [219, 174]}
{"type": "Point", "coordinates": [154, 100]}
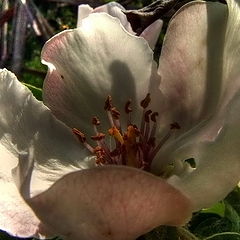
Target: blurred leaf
{"type": "Point", "coordinates": [162, 232]}
{"type": "Point", "coordinates": [224, 236]}
{"type": "Point", "coordinates": [218, 208]}
{"type": "Point", "coordinates": [37, 92]}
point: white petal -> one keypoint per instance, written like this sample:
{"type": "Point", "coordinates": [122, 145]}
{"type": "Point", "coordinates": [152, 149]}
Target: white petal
{"type": "Point", "coordinates": [218, 161]}
{"type": "Point", "coordinates": [96, 60]}
{"type": "Point", "coordinates": [83, 11]}
{"type": "Point", "coordinates": [16, 217]}
{"type": "Point", "coordinates": [26, 125]}
{"type": "Point", "coordinates": [114, 9]}
{"type": "Point", "coordinates": [152, 32]}
{"type": "Point", "coordinates": [192, 64]}
{"type": "Point", "coordinates": [111, 202]}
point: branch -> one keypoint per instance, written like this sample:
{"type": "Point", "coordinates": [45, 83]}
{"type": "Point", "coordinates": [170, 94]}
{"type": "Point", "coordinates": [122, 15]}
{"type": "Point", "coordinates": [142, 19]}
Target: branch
{"type": "Point", "coordinates": [4, 36]}
{"type": "Point", "coordinates": [19, 39]}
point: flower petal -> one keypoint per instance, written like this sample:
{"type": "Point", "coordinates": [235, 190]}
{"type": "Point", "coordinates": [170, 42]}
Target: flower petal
{"type": "Point", "coordinates": [27, 125]}
{"type": "Point", "coordinates": [16, 217]}
{"type": "Point", "coordinates": [218, 161]}
{"type": "Point", "coordinates": [192, 62]}
{"type": "Point", "coordinates": [91, 62]}
{"type": "Point", "coordinates": [114, 9]}
{"type": "Point", "coordinates": [83, 11]}
{"type": "Point", "coordinates": [117, 203]}
{"type": "Point", "coordinates": [152, 32]}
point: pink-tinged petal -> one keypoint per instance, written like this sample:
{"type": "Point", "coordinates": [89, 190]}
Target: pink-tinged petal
{"type": "Point", "coordinates": [91, 62]}
{"type": "Point", "coordinates": [16, 217]}
{"type": "Point", "coordinates": [192, 62]}
{"type": "Point", "coordinates": [83, 11]}
{"type": "Point", "coordinates": [114, 9]}
{"type": "Point", "coordinates": [117, 203]}
{"type": "Point", "coordinates": [218, 160]}
{"type": "Point", "coordinates": [152, 32]}
{"type": "Point", "coordinates": [26, 125]}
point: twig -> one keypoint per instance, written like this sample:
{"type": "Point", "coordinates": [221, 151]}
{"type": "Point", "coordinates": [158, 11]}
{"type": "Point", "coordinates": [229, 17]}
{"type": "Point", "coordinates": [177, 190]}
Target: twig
{"type": "Point", "coordinates": [4, 36]}
{"type": "Point", "coordinates": [19, 39]}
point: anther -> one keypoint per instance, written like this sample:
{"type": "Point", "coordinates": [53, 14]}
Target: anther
{"type": "Point", "coordinates": [80, 135]}
{"type": "Point", "coordinates": [98, 137]}
{"type": "Point", "coordinates": [95, 121]}
{"type": "Point", "coordinates": [116, 134]}
{"type": "Point", "coordinates": [145, 102]}
{"type": "Point", "coordinates": [174, 125]}
{"type": "Point", "coordinates": [154, 116]}
{"type": "Point", "coordinates": [108, 103]}
{"type": "Point", "coordinates": [115, 113]}
{"type": "Point", "coordinates": [128, 109]}
{"type": "Point", "coordinates": [146, 115]}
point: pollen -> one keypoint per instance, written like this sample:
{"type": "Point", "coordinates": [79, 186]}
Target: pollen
{"type": "Point", "coordinates": [134, 146]}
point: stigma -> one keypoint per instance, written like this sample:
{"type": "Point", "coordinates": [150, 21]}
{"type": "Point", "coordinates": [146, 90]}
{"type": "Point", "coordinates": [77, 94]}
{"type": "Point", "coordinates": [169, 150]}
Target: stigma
{"type": "Point", "coordinates": [134, 146]}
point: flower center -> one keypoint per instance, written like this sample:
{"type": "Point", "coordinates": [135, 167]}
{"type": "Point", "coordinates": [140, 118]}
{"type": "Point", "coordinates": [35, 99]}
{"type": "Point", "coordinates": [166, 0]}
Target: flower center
{"type": "Point", "coordinates": [135, 146]}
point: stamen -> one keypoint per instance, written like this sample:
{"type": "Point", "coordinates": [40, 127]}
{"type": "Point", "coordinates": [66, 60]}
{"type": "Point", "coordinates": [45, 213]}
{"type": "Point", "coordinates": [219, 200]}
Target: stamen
{"type": "Point", "coordinates": [95, 122]}
{"type": "Point", "coordinates": [147, 125]}
{"type": "Point", "coordinates": [173, 126]}
{"type": "Point", "coordinates": [145, 102]}
{"type": "Point", "coordinates": [116, 134]}
{"type": "Point", "coordinates": [154, 127]}
{"type": "Point", "coordinates": [128, 110]}
{"type": "Point", "coordinates": [100, 154]}
{"type": "Point", "coordinates": [98, 137]}
{"type": "Point", "coordinates": [108, 106]}
{"type": "Point", "coordinates": [116, 115]}
{"type": "Point", "coordinates": [82, 139]}
{"type": "Point", "coordinates": [108, 103]}
{"type": "Point", "coordinates": [134, 147]}
{"type": "Point", "coordinates": [80, 135]}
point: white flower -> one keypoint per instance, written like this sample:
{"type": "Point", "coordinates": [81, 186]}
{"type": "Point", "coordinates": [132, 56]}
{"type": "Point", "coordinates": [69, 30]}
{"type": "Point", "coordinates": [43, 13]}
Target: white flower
{"type": "Point", "coordinates": [197, 95]}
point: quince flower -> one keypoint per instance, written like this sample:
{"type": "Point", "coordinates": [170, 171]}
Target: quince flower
{"type": "Point", "coordinates": [187, 107]}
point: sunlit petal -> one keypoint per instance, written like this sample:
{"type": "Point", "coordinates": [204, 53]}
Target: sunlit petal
{"type": "Point", "coordinates": [25, 124]}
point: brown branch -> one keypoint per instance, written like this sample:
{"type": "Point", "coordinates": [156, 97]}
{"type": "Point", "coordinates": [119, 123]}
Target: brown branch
{"type": "Point", "coordinates": [4, 37]}
{"type": "Point", "coordinates": [19, 39]}
{"type": "Point", "coordinates": [6, 15]}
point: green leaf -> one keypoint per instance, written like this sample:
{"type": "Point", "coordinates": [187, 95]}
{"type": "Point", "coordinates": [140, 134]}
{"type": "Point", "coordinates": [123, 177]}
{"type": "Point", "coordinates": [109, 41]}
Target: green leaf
{"type": "Point", "coordinates": [224, 236]}
{"type": "Point", "coordinates": [218, 208]}
{"type": "Point", "coordinates": [37, 92]}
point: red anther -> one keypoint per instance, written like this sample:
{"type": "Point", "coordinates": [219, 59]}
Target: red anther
{"type": "Point", "coordinates": [95, 121]}
{"type": "Point", "coordinates": [98, 137]}
{"type": "Point", "coordinates": [128, 109]}
{"type": "Point", "coordinates": [100, 154]}
{"type": "Point", "coordinates": [145, 102]}
{"type": "Point", "coordinates": [80, 135]}
{"type": "Point", "coordinates": [154, 116]}
{"type": "Point", "coordinates": [146, 115]}
{"type": "Point", "coordinates": [108, 103]}
{"type": "Point", "coordinates": [115, 113]}
{"type": "Point", "coordinates": [174, 125]}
